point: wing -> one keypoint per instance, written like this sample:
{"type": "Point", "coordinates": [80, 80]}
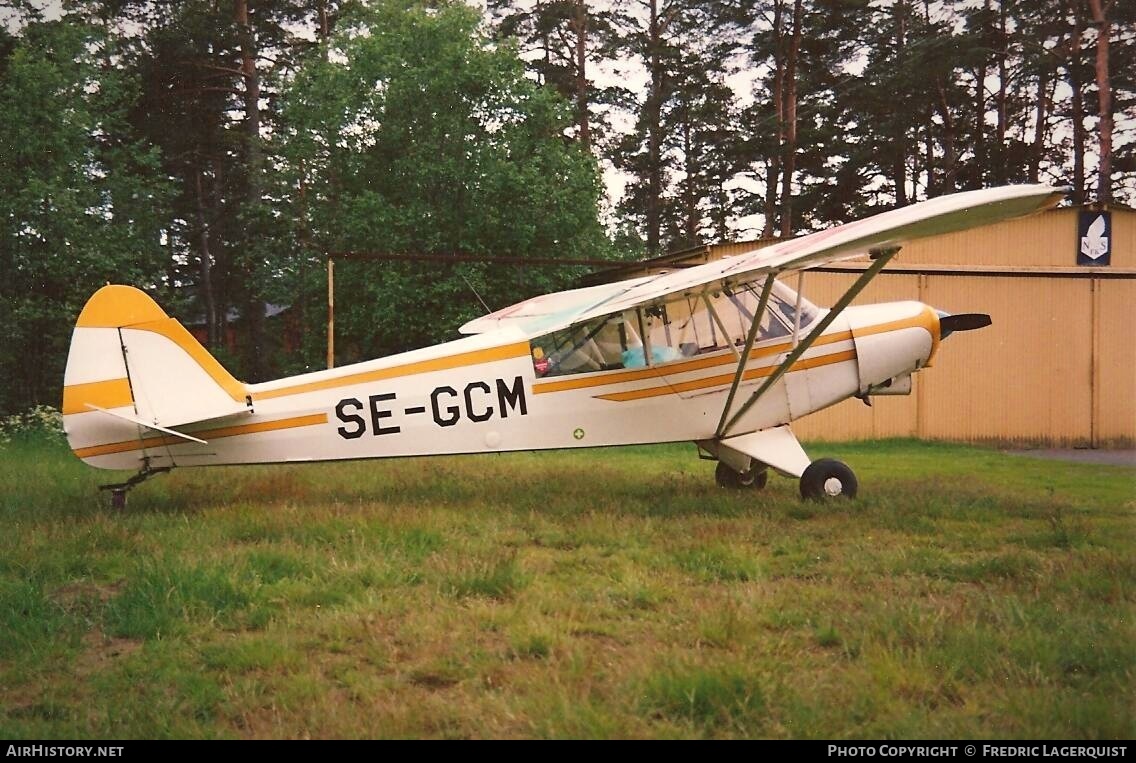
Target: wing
{"type": "Point", "coordinates": [1096, 229]}
{"type": "Point", "coordinates": [945, 214]}
{"type": "Point", "coordinates": [556, 309]}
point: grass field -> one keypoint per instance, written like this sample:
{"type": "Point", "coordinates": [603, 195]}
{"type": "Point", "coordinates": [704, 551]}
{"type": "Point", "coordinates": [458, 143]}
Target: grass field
{"type": "Point", "coordinates": [606, 593]}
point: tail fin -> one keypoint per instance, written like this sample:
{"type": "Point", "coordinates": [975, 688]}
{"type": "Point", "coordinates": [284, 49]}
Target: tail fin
{"type": "Point", "coordinates": [132, 364]}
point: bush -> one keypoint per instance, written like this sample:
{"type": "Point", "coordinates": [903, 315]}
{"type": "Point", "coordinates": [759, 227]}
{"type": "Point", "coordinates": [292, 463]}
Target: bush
{"type": "Point", "coordinates": [41, 421]}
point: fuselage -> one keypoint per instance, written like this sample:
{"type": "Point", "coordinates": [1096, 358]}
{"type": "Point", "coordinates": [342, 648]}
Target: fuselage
{"type": "Point", "coordinates": [492, 392]}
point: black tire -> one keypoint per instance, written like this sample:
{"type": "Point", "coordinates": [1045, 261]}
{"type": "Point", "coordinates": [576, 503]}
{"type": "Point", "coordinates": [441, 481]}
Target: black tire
{"type": "Point", "coordinates": [754, 479]}
{"type": "Point", "coordinates": [827, 478]}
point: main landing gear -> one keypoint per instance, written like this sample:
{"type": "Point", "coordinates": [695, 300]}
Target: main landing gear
{"type": "Point", "coordinates": [828, 478]}
{"type": "Point", "coordinates": [823, 479]}
{"type": "Point", "coordinates": [754, 478]}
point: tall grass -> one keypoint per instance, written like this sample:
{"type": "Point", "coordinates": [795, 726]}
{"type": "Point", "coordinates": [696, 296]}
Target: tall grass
{"type": "Point", "coordinates": [610, 593]}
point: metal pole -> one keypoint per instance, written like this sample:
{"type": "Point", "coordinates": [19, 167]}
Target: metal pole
{"type": "Point", "coordinates": [330, 312]}
{"type": "Point", "coordinates": [721, 326]}
{"type": "Point", "coordinates": [644, 338]}
{"type": "Point", "coordinates": [797, 308]}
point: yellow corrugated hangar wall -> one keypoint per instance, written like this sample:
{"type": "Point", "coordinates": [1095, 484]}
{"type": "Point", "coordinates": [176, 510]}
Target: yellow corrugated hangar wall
{"type": "Point", "coordinates": [1058, 365]}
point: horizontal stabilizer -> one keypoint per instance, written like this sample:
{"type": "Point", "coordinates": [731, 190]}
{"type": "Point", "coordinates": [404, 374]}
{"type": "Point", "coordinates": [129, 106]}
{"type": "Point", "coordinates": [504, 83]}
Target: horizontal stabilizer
{"type": "Point", "coordinates": [148, 425]}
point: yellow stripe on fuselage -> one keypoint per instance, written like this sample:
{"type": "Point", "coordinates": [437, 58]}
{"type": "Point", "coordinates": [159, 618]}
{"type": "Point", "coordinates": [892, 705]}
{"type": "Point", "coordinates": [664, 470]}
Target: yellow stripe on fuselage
{"type": "Point", "coordinates": [724, 379]}
{"type": "Point", "coordinates": [204, 434]}
{"type": "Point", "coordinates": [459, 360]}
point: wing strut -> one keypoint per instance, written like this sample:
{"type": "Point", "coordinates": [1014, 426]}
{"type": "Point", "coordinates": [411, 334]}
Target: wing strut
{"type": "Point", "coordinates": [750, 338]}
{"type": "Point", "coordinates": [880, 257]}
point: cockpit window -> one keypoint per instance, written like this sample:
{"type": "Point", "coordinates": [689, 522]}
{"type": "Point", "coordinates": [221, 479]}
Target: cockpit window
{"type": "Point", "coordinates": [597, 345]}
{"type": "Point", "coordinates": [682, 327]}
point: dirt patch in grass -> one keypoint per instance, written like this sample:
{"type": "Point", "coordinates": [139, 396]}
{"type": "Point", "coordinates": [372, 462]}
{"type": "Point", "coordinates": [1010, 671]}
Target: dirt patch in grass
{"type": "Point", "coordinates": [100, 650]}
{"type": "Point", "coordinates": [72, 595]}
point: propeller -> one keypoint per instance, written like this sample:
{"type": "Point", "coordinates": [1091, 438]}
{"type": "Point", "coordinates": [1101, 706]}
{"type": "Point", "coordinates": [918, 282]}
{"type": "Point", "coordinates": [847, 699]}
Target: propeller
{"type": "Point", "coordinates": [948, 324]}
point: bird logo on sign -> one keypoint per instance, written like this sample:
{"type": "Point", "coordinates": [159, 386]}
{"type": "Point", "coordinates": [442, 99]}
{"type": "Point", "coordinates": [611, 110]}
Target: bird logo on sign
{"type": "Point", "coordinates": [1094, 244]}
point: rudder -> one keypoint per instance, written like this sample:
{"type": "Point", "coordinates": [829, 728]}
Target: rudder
{"type": "Point", "coordinates": [131, 360]}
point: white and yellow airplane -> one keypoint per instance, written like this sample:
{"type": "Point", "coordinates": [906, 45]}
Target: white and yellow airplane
{"type": "Point", "coordinates": [722, 354]}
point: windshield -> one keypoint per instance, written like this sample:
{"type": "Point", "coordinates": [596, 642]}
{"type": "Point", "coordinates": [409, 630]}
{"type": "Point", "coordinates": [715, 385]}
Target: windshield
{"type": "Point", "coordinates": [783, 300]}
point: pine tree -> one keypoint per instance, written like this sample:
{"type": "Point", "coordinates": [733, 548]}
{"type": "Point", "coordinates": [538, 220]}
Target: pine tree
{"type": "Point", "coordinates": [562, 41]}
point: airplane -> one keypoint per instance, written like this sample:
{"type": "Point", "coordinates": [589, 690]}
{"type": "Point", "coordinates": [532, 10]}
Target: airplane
{"type": "Point", "coordinates": [723, 354]}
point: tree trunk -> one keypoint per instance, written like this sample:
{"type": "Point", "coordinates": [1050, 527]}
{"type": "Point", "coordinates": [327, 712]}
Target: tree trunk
{"type": "Point", "coordinates": [790, 124]}
{"type": "Point", "coordinates": [929, 153]}
{"type": "Point", "coordinates": [1104, 96]}
{"type": "Point", "coordinates": [1041, 115]}
{"type": "Point", "coordinates": [950, 159]}
{"type": "Point", "coordinates": [324, 26]}
{"type": "Point", "coordinates": [254, 308]}
{"type": "Point", "coordinates": [1077, 96]}
{"type": "Point", "coordinates": [690, 203]}
{"type": "Point", "coordinates": [981, 156]}
{"type": "Point", "coordinates": [580, 26]}
{"type": "Point", "coordinates": [899, 160]}
{"type": "Point", "coordinates": [773, 174]}
{"type": "Point", "coordinates": [252, 100]}
{"type": "Point", "coordinates": [1000, 168]}
{"type": "Point", "coordinates": [653, 115]}
{"type": "Point", "coordinates": [546, 45]}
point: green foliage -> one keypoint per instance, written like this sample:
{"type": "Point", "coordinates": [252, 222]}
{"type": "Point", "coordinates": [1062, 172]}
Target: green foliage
{"type": "Point", "coordinates": [410, 133]}
{"type": "Point", "coordinates": [41, 422]}
{"type": "Point", "coordinates": [83, 204]}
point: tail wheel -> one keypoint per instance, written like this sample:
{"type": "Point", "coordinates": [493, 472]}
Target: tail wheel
{"type": "Point", "coordinates": [827, 478]}
{"type": "Point", "coordinates": [754, 478]}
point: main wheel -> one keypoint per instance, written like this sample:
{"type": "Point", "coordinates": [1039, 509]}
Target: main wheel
{"type": "Point", "coordinates": [828, 478]}
{"type": "Point", "coordinates": [755, 478]}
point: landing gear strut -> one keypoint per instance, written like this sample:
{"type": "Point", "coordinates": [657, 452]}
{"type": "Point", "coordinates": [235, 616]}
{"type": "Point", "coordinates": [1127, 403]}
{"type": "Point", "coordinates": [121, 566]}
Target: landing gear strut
{"type": "Point", "coordinates": [118, 490]}
{"type": "Point", "coordinates": [776, 449]}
